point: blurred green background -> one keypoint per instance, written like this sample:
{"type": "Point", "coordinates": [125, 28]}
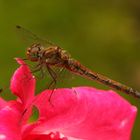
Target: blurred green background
{"type": "Point", "coordinates": [102, 35]}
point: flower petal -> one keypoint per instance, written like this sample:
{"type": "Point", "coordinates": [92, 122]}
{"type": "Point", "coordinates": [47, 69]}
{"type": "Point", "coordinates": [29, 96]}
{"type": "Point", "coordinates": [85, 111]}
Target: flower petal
{"type": "Point", "coordinates": [10, 128]}
{"type": "Point", "coordinates": [85, 113]}
{"type": "Point", "coordinates": [23, 83]}
{"type": "Point", "coordinates": [2, 103]}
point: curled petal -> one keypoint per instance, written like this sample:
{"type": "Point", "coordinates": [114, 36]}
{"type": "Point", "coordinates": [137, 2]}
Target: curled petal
{"type": "Point", "coordinates": [23, 83]}
{"type": "Point", "coordinates": [85, 113]}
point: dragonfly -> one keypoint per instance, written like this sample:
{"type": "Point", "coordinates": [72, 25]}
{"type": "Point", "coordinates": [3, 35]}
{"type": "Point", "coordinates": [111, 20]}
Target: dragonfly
{"type": "Point", "coordinates": [55, 56]}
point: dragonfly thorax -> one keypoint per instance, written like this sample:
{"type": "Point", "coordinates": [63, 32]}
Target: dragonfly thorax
{"type": "Point", "coordinates": [52, 55]}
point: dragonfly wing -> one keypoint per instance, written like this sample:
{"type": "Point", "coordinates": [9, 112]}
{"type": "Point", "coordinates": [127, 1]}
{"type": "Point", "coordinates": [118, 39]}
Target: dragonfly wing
{"type": "Point", "coordinates": [30, 38]}
{"type": "Point", "coordinates": [58, 77]}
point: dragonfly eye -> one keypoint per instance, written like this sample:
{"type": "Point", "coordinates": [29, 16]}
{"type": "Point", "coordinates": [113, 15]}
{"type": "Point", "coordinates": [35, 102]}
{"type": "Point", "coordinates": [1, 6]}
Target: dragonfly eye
{"type": "Point", "coordinates": [33, 53]}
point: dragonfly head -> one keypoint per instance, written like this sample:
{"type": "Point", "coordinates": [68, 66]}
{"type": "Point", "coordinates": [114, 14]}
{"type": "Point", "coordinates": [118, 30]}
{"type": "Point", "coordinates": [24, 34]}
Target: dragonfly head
{"type": "Point", "coordinates": [33, 52]}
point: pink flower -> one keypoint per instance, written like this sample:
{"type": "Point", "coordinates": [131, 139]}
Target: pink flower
{"type": "Point", "coordinates": [73, 114]}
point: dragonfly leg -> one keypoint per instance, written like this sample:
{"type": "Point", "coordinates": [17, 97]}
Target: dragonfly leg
{"type": "Point", "coordinates": [37, 68]}
{"type": "Point", "coordinates": [53, 82]}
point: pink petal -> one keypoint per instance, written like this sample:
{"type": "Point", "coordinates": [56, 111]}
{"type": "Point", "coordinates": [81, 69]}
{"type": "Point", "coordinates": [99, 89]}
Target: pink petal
{"type": "Point", "coordinates": [85, 113]}
{"type": "Point", "coordinates": [23, 83]}
{"type": "Point", "coordinates": [2, 103]}
{"type": "Point", "coordinates": [10, 128]}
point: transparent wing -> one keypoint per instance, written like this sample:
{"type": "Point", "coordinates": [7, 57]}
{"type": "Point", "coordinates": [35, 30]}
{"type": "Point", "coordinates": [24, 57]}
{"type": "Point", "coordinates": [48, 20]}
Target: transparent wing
{"type": "Point", "coordinates": [46, 81]}
{"type": "Point", "coordinates": [63, 76]}
{"type": "Point", "coordinates": [31, 38]}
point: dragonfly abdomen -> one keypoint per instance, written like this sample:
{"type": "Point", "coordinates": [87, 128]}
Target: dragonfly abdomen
{"type": "Point", "coordinates": [79, 69]}
{"type": "Point", "coordinates": [75, 67]}
{"type": "Point", "coordinates": [113, 84]}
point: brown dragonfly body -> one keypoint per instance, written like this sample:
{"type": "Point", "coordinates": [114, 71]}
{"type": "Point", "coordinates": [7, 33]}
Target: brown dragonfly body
{"type": "Point", "coordinates": [56, 56]}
